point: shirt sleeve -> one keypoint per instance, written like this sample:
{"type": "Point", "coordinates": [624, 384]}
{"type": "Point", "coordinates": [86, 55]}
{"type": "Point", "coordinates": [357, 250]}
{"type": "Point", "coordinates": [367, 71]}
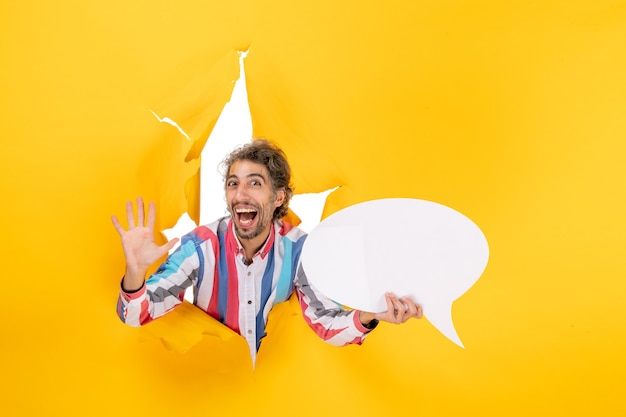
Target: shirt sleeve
{"type": "Point", "coordinates": [328, 319]}
{"type": "Point", "coordinates": [164, 290]}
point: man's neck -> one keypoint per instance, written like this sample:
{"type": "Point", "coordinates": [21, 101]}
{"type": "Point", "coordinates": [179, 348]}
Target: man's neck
{"type": "Point", "coordinates": [252, 246]}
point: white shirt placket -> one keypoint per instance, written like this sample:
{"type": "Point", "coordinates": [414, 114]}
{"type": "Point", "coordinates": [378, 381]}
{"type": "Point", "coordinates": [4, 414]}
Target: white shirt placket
{"type": "Point", "coordinates": [248, 304]}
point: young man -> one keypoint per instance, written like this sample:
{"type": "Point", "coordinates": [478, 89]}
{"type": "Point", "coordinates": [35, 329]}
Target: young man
{"type": "Point", "coordinates": [240, 265]}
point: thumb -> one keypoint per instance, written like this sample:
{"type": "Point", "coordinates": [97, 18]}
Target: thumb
{"type": "Point", "coordinates": [169, 245]}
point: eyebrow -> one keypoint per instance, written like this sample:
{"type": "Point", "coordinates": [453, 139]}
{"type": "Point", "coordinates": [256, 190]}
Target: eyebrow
{"type": "Point", "coordinates": [250, 175]}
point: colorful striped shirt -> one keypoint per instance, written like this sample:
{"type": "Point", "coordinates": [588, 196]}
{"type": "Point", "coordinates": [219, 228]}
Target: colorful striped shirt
{"type": "Point", "coordinates": [211, 261]}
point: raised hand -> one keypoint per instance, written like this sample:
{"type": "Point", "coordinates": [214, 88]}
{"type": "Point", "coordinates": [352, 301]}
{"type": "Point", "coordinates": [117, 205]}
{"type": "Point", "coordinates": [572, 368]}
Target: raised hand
{"type": "Point", "coordinates": [140, 250]}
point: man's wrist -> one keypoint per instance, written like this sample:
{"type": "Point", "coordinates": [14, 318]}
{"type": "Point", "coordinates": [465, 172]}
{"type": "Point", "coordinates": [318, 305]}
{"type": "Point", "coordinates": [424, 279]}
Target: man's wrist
{"type": "Point", "coordinates": [366, 317]}
{"type": "Point", "coordinates": [368, 320]}
{"type": "Point", "coordinates": [133, 281]}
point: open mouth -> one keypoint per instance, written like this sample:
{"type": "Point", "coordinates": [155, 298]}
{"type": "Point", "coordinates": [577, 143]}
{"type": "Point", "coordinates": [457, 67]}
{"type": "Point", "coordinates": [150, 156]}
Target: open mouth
{"type": "Point", "coordinates": [246, 216]}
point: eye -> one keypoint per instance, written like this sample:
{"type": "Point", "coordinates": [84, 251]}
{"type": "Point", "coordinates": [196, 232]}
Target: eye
{"type": "Point", "coordinates": [231, 183]}
{"type": "Point", "coordinates": [255, 183]}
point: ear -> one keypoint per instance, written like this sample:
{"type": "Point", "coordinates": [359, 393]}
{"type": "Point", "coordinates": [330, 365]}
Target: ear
{"type": "Point", "coordinates": [280, 197]}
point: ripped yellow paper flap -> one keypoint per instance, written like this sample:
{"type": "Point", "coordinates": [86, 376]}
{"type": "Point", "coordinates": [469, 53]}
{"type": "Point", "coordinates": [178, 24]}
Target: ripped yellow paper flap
{"type": "Point", "coordinates": [185, 326]}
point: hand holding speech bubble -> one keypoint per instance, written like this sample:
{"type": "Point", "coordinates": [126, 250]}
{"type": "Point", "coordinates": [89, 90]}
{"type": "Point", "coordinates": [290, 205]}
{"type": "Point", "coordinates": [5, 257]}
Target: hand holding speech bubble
{"type": "Point", "coordinates": [415, 248]}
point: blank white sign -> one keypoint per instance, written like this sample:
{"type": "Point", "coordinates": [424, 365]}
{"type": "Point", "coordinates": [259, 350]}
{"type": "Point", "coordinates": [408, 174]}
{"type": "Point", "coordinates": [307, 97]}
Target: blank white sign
{"type": "Point", "coordinates": [416, 248]}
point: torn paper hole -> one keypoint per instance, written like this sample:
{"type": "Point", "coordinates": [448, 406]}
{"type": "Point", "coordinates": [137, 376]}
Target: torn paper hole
{"type": "Point", "coordinates": [232, 129]}
{"type": "Point", "coordinates": [309, 208]}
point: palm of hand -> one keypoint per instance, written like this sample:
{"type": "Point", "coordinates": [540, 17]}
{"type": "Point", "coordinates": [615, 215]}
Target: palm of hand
{"type": "Point", "coordinates": [140, 250]}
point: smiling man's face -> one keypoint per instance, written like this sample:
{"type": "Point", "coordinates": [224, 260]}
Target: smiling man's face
{"type": "Point", "coordinates": [250, 199]}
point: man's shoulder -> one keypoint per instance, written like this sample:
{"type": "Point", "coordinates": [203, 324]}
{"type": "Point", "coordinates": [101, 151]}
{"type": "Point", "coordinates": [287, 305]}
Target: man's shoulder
{"type": "Point", "coordinates": [211, 230]}
{"type": "Point", "coordinates": [289, 231]}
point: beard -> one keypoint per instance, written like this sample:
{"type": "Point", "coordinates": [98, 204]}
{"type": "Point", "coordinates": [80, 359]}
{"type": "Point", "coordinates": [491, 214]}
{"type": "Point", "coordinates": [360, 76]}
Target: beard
{"type": "Point", "coordinates": [264, 217]}
{"type": "Point", "coordinates": [250, 234]}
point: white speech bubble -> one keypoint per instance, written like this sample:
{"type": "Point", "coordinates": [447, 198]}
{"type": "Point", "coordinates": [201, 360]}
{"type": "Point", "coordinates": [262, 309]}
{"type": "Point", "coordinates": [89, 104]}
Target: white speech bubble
{"type": "Point", "coordinates": [415, 248]}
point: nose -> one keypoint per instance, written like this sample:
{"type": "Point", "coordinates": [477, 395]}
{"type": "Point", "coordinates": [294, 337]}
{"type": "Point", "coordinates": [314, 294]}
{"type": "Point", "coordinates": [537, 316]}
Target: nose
{"type": "Point", "coordinates": [240, 192]}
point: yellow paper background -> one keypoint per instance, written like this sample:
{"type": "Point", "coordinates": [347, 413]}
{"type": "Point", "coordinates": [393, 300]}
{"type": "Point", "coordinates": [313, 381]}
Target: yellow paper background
{"type": "Point", "coordinates": [510, 112]}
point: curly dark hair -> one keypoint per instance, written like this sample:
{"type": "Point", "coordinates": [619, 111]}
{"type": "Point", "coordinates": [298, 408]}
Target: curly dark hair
{"type": "Point", "coordinates": [267, 153]}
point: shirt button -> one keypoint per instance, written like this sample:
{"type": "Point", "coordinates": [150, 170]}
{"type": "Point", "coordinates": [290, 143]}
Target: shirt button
{"type": "Point", "coordinates": [249, 331]}
{"type": "Point", "coordinates": [249, 273]}
{"type": "Point", "coordinates": [249, 301]}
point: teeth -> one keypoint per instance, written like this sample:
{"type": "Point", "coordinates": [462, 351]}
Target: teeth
{"type": "Point", "coordinates": [245, 210]}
